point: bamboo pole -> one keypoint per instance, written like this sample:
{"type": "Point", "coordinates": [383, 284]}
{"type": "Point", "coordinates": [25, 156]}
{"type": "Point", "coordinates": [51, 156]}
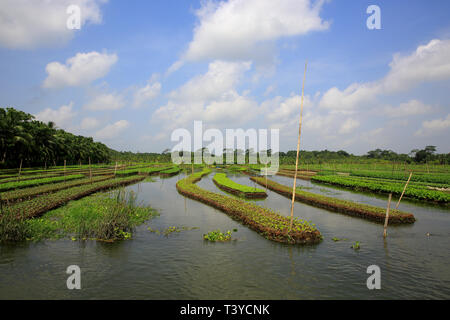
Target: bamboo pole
{"type": "Point", "coordinates": [64, 171]}
{"type": "Point", "coordinates": [404, 189]}
{"type": "Point", "coordinates": [90, 170]}
{"type": "Point", "coordinates": [387, 216]}
{"type": "Point", "coordinates": [298, 149]}
{"type": "Point", "coordinates": [115, 170]}
{"type": "Point", "coordinates": [20, 170]}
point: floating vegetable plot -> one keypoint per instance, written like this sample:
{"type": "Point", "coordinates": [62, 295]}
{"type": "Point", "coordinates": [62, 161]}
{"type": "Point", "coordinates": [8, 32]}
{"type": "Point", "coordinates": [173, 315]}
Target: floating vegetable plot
{"type": "Point", "coordinates": [31, 183]}
{"type": "Point", "coordinates": [342, 206]}
{"type": "Point", "coordinates": [416, 190]}
{"type": "Point", "coordinates": [40, 205]}
{"type": "Point", "coordinates": [223, 182]}
{"type": "Point", "coordinates": [266, 222]}
{"type": "Point", "coordinates": [170, 172]}
{"type": "Point", "coordinates": [28, 193]}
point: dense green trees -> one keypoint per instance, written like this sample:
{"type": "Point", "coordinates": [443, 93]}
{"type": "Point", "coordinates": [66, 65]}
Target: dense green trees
{"type": "Point", "coordinates": [22, 138]}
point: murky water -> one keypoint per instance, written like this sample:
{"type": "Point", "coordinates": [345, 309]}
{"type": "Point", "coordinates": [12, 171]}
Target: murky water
{"type": "Point", "coordinates": [183, 266]}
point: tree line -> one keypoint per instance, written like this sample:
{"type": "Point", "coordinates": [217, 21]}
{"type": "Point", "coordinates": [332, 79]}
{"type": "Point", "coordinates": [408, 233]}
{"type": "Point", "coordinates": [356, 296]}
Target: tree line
{"type": "Point", "coordinates": [35, 143]}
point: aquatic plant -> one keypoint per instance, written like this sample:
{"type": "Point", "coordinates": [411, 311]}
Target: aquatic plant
{"type": "Point", "coordinates": [217, 236]}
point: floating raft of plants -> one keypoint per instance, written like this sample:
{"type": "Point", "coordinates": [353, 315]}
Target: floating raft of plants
{"type": "Point", "coordinates": [38, 206]}
{"type": "Point", "coordinates": [415, 190]}
{"type": "Point", "coordinates": [224, 183]}
{"type": "Point", "coordinates": [304, 175]}
{"type": "Point", "coordinates": [351, 208]}
{"type": "Point", "coordinates": [266, 222]}
{"type": "Point", "coordinates": [170, 172]}
{"type": "Point", "coordinates": [28, 193]}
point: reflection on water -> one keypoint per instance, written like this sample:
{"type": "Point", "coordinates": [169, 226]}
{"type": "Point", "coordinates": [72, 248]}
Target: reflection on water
{"type": "Point", "coordinates": [183, 266]}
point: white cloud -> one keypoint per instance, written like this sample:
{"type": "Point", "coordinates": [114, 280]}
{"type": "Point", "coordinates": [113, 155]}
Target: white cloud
{"type": "Point", "coordinates": [79, 70]}
{"type": "Point", "coordinates": [434, 127]}
{"type": "Point", "coordinates": [428, 63]}
{"type": "Point", "coordinates": [62, 117]}
{"type": "Point", "coordinates": [246, 29]}
{"type": "Point", "coordinates": [211, 97]}
{"type": "Point", "coordinates": [147, 93]}
{"type": "Point", "coordinates": [25, 24]}
{"type": "Point", "coordinates": [410, 108]}
{"type": "Point", "coordinates": [105, 101]}
{"type": "Point", "coordinates": [89, 123]}
{"type": "Point", "coordinates": [349, 126]}
{"type": "Point", "coordinates": [112, 130]}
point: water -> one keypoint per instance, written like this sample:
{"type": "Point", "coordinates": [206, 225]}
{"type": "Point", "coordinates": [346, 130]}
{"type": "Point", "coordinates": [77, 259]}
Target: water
{"type": "Point", "coordinates": [183, 266]}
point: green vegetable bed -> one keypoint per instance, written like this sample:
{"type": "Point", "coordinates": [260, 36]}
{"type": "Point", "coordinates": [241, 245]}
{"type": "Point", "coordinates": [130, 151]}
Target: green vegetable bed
{"type": "Point", "coordinates": [266, 222]}
{"type": "Point", "coordinates": [223, 182]}
{"type": "Point", "coordinates": [342, 206]}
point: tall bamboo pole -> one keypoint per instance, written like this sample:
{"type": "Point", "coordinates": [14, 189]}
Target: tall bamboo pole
{"type": "Point", "coordinates": [64, 171]}
{"type": "Point", "coordinates": [298, 149]}
{"type": "Point", "coordinates": [20, 170]}
{"type": "Point", "coordinates": [404, 189]}
{"type": "Point", "coordinates": [387, 216]}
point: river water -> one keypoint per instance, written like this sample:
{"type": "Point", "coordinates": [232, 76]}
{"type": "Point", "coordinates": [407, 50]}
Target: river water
{"type": "Point", "coordinates": [183, 266]}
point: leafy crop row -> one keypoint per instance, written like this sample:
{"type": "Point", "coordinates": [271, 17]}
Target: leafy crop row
{"type": "Point", "coordinates": [40, 205]}
{"type": "Point", "coordinates": [226, 184]}
{"type": "Point", "coordinates": [343, 206]}
{"type": "Point", "coordinates": [413, 191]}
{"type": "Point", "coordinates": [27, 193]}
{"type": "Point", "coordinates": [267, 222]}
{"type": "Point", "coordinates": [433, 177]}
{"type": "Point", "coordinates": [36, 182]}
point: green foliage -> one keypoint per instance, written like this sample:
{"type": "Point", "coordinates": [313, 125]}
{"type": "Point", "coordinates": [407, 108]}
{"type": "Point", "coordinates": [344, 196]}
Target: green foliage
{"type": "Point", "coordinates": [413, 191]}
{"type": "Point", "coordinates": [13, 227]}
{"type": "Point", "coordinates": [223, 180]}
{"type": "Point", "coordinates": [217, 236]}
{"type": "Point", "coordinates": [263, 220]}
{"type": "Point", "coordinates": [42, 204]}
{"type": "Point", "coordinates": [37, 143]}
{"type": "Point", "coordinates": [31, 183]}
{"type": "Point", "coordinates": [105, 217]}
{"type": "Point", "coordinates": [441, 178]}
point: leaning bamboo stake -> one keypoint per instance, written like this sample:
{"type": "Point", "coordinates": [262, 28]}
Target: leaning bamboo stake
{"type": "Point", "coordinates": [90, 170]}
{"type": "Point", "coordinates": [20, 170]}
{"type": "Point", "coordinates": [298, 150]}
{"type": "Point", "coordinates": [387, 216]}
{"type": "Point", "coordinates": [404, 189]}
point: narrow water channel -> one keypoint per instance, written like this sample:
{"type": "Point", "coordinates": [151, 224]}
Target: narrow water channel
{"type": "Point", "coordinates": [183, 266]}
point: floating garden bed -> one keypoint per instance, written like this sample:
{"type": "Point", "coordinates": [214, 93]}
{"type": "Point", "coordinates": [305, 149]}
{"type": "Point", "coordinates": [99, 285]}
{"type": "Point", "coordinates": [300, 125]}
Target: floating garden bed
{"type": "Point", "coordinates": [170, 172]}
{"type": "Point", "coordinates": [266, 222]}
{"type": "Point", "coordinates": [342, 206]}
{"type": "Point", "coordinates": [32, 183]}
{"type": "Point", "coordinates": [418, 191]}
{"type": "Point", "coordinates": [28, 193]}
{"type": "Point", "coordinates": [224, 183]}
{"type": "Point", "coordinates": [38, 206]}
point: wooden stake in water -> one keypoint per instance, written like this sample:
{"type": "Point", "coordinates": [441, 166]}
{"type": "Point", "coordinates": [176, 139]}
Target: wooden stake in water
{"type": "Point", "coordinates": [90, 170]}
{"type": "Point", "coordinates": [298, 150]}
{"type": "Point", "coordinates": [387, 216]}
{"type": "Point", "coordinates": [20, 170]}
{"type": "Point", "coordinates": [404, 189]}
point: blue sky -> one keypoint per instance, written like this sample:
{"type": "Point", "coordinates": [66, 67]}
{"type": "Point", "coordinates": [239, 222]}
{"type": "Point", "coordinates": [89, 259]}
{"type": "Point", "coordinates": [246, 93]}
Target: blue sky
{"type": "Point", "coordinates": [138, 70]}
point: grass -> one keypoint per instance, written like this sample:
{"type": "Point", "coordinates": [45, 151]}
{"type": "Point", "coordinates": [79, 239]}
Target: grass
{"type": "Point", "coordinates": [106, 217]}
{"type": "Point", "coordinates": [266, 222]}
{"type": "Point", "coordinates": [364, 211]}
{"type": "Point", "coordinates": [228, 185]}
{"type": "Point", "coordinates": [37, 206]}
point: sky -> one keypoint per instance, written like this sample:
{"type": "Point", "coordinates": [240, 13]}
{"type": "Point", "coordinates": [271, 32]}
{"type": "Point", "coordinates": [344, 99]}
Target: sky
{"type": "Point", "coordinates": [137, 70]}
